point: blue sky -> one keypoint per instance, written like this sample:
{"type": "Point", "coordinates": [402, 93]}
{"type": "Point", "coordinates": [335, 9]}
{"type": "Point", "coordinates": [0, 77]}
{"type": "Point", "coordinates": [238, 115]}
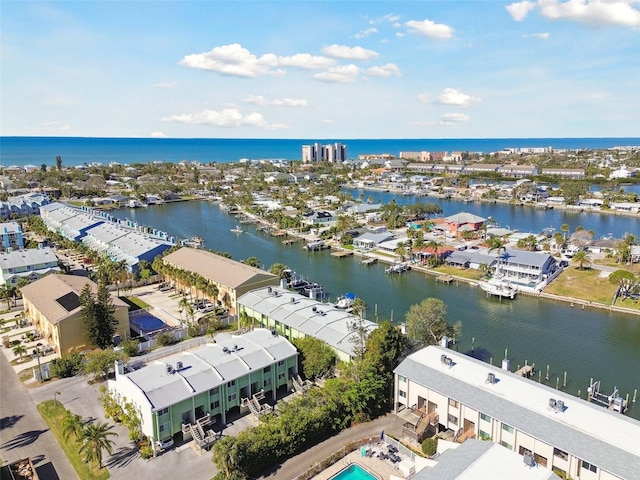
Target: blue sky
{"type": "Point", "coordinates": [321, 69]}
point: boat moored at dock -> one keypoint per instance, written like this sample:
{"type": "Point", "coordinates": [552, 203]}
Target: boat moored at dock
{"type": "Point", "coordinates": [501, 290]}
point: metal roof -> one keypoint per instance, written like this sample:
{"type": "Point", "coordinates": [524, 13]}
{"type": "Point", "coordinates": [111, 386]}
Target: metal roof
{"type": "Point", "coordinates": [586, 431]}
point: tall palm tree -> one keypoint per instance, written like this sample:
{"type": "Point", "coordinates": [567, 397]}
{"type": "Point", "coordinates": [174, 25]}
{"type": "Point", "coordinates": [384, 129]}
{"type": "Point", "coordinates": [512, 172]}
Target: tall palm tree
{"type": "Point", "coordinates": [20, 350]}
{"type": "Point", "coordinates": [95, 439]}
{"type": "Point", "coordinates": [72, 424]}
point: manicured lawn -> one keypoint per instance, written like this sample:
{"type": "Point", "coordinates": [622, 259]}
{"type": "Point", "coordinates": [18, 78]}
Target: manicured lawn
{"type": "Point", "coordinates": [52, 415]}
{"type": "Point", "coordinates": [135, 301]}
{"type": "Point", "coordinates": [470, 273]}
{"type": "Point", "coordinates": [583, 285]}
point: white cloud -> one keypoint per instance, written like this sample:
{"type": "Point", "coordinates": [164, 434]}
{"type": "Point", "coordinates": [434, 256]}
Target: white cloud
{"type": "Point", "coordinates": [430, 29]}
{"type": "Point", "coordinates": [424, 97]}
{"type": "Point", "coordinates": [389, 17]}
{"type": "Point", "coordinates": [157, 135]}
{"type": "Point", "coordinates": [384, 70]}
{"type": "Point", "coordinates": [284, 102]}
{"type": "Point", "coordinates": [366, 33]}
{"type": "Point", "coordinates": [348, 53]}
{"type": "Point", "coordinates": [453, 118]}
{"type": "Point", "coordinates": [164, 85]}
{"type": "Point", "coordinates": [520, 10]}
{"type": "Point", "coordinates": [542, 35]}
{"type": "Point", "coordinates": [592, 12]}
{"type": "Point", "coordinates": [339, 74]}
{"type": "Point", "coordinates": [229, 118]}
{"type": "Point", "coordinates": [327, 121]}
{"type": "Point", "coordinates": [452, 96]}
{"type": "Point", "coordinates": [235, 60]}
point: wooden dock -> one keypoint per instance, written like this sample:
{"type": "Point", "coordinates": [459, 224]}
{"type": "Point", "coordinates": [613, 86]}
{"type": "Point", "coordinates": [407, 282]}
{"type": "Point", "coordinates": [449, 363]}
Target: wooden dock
{"type": "Point", "coordinates": [342, 253]}
{"type": "Point", "coordinates": [444, 278]}
{"type": "Point", "coordinates": [369, 261]}
{"type": "Point", "coordinates": [290, 241]}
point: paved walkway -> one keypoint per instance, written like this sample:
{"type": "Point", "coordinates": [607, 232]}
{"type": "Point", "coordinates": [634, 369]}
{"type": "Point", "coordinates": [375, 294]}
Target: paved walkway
{"type": "Point", "coordinates": [299, 464]}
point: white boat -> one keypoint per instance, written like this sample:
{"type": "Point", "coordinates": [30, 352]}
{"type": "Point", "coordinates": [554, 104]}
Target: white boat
{"type": "Point", "coordinates": [345, 302]}
{"type": "Point", "coordinates": [315, 245]}
{"type": "Point", "coordinates": [500, 290]}
{"type": "Point", "coordinates": [238, 229]}
{"type": "Point", "coordinates": [397, 268]}
{"type": "Point", "coordinates": [193, 242]}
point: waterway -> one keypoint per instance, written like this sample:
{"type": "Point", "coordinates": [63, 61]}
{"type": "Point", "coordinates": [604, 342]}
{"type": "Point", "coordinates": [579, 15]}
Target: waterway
{"type": "Point", "coordinates": [587, 343]}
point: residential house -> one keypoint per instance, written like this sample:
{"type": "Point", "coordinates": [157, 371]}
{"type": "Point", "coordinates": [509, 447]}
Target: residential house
{"type": "Point", "coordinates": [571, 173]}
{"type": "Point", "coordinates": [558, 431]}
{"type": "Point", "coordinates": [174, 395]}
{"type": "Point", "coordinates": [317, 217]}
{"type": "Point", "coordinates": [232, 279]}
{"type": "Point", "coordinates": [463, 222]}
{"type": "Point", "coordinates": [295, 316]}
{"type": "Point", "coordinates": [526, 268]}
{"type": "Point", "coordinates": [52, 304]}
{"type": "Point", "coordinates": [370, 240]}
{"type": "Point", "coordinates": [11, 234]}
{"type": "Point", "coordinates": [31, 264]}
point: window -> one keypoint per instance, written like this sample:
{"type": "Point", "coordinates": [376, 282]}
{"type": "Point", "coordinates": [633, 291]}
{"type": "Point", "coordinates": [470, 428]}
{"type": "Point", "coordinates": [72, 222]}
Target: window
{"type": "Point", "coordinates": [560, 454]}
{"type": "Point", "coordinates": [453, 403]}
{"type": "Point", "coordinates": [266, 369]}
{"type": "Point", "coordinates": [484, 417]}
{"type": "Point", "coordinates": [232, 383]}
{"type": "Point", "coordinates": [164, 411]}
{"type": "Point", "coordinates": [267, 382]}
{"type": "Point", "coordinates": [164, 427]}
{"type": "Point", "coordinates": [588, 466]}
{"type": "Point", "coordinates": [281, 363]}
{"type": "Point", "coordinates": [281, 376]}
{"type": "Point", "coordinates": [232, 397]}
{"type": "Point", "coordinates": [401, 378]}
{"type": "Point", "coordinates": [484, 435]}
{"type": "Point", "coordinates": [452, 419]}
{"type": "Point", "coordinates": [540, 460]}
{"type": "Point", "coordinates": [402, 394]}
{"type": "Point", "coordinates": [215, 405]}
{"type": "Point", "coordinates": [525, 451]}
{"type": "Point", "coordinates": [506, 445]}
{"type": "Point", "coordinates": [507, 428]}
{"type": "Point", "coordinates": [214, 391]}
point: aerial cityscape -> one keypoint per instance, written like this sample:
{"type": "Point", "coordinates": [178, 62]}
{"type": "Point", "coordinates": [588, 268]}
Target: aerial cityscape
{"type": "Point", "coordinates": [320, 240]}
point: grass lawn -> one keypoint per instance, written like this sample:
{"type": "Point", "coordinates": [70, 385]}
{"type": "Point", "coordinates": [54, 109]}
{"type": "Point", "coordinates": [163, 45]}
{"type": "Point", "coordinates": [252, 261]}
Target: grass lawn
{"type": "Point", "coordinates": [52, 415]}
{"type": "Point", "coordinates": [583, 285]}
{"type": "Point", "coordinates": [136, 302]}
{"type": "Point", "coordinates": [470, 273]}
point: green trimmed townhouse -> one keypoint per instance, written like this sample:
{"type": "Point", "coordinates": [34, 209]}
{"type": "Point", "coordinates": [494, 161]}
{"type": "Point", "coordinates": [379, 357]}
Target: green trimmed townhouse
{"type": "Point", "coordinates": [214, 382]}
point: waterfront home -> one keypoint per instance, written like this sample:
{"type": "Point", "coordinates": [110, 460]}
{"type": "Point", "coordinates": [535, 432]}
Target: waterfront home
{"type": "Point", "coordinates": [630, 207]}
{"type": "Point", "coordinates": [52, 305]}
{"type": "Point", "coordinates": [531, 269]}
{"type": "Point", "coordinates": [371, 240]}
{"type": "Point", "coordinates": [591, 203]}
{"type": "Point", "coordinates": [317, 217]}
{"type": "Point", "coordinates": [570, 173]}
{"type": "Point", "coordinates": [481, 168]}
{"type": "Point", "coordinates": [232, 279]}
{"type": "Point", "coordinates": [624, 172]}
{"type": "Point", "coordinates": [473, 399]}
{"type": "Point", "coordinates": [463, 222]}
{"type": "Point", "coordinates": [517, 171]}
{"type": "Point", "coordinates": [471, 259]}
{"type": "Point", "coordinates": [293, 315]}
{"type": "Point", "coordinates": [174, 395]}
{"type": "Point", "coordinates": [32, 264]}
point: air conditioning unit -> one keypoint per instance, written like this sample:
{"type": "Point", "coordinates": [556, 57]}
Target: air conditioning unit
{"type": "Point", "coordinates": [491, 378]}
{"type": "Point", "coordinates": [179, 365]}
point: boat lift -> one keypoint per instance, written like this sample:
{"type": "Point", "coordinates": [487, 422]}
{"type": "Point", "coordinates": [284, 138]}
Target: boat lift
{"type": "Point", "coordinates": [613, 402]}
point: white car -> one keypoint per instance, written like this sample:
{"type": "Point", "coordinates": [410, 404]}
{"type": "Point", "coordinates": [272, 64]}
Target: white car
{"type": "Point", "coordinates": [165, 443]}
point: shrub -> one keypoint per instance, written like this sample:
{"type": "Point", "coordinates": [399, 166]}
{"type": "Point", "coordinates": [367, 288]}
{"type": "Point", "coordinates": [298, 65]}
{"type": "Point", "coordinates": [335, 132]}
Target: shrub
{"type": "Point", "coordinates": [430, 446]}
{"type": "Point", "coordinates": [130, 347]}
{"type": "Point", "coordinates": [146, 452]}
{"type": "Point", "coordinates": [67, 366]}
{"type": "Point", "coordinates": [165, 339]}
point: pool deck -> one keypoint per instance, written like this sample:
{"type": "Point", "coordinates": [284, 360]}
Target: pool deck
{"type": "Point", "coordinates": [383, 469]}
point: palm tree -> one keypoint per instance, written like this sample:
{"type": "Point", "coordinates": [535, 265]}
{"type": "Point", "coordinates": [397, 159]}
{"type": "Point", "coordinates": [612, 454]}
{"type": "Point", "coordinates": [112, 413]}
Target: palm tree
{"type": "Point", "coordinates": [582, 259]}
{"type": "Point", "coordinates": [72, 423]}
{"type": "Point", "coordinates": [95, 438]}
{"type": "Point", "coordinates": [565, 229]}
{"type": "Point", "coordinates": [20, 350]}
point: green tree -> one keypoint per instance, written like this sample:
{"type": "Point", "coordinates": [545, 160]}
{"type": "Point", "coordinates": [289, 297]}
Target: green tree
{"type": "Point", "coordinates": [625, 280]}
{"type": "Point", "coordinates": [101, 362]}
{"type": "Point", "coordinates": [95, 439]}
{"type": "Point", "coordinates": [317, 357]}
{"type": "Point", "coordinates": [278, 269]}
{"type": "Point", "coordinates": [581, 258]}
{"type": "Point", "coordinates": [59, 162]}
{"type": "Point", "coordinates": [98, 316]}
{"type": "Point", "coordinates": [72, 424]}
{"type": "Point", "coordinates": [426, 322]}
{"type": "Point", "coordinates": [19, 350]}
{"type": "Point", "coordinates": [224, 458]}
{"type": "Point", "coordinates": [252, 262]}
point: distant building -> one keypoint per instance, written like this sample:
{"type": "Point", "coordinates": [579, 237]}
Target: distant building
{"type": "Point", "coordinates": [31, 264]}
{"type": "Point", "coordinates": [331, 153]}
{"type": "Point", "coordinates": [571, 173]}
{"type": "Point", "coordinates": [11, 234]}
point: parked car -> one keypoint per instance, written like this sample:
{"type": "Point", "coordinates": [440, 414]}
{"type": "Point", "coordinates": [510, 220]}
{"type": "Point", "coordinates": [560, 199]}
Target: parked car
{"type": "Point", "coordinates": [165, 443]}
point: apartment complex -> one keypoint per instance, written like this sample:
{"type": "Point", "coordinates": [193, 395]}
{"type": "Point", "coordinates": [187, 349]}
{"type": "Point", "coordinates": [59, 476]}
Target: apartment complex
{"type": "Point", "coordinates": [32, 263]}
{"type": "Point", "coordinates": [478, 400]}
{"type": "Point", "coordinates": [11, 234]}
{"type": "Point", "coordinates": [331, 153]}
{"type": "Point", "coordinates": [208, 382]}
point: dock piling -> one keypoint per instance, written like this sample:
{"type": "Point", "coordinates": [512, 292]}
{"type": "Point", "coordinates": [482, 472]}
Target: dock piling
{"type": "Point", "coordinates": [557, 382]}
{"type": "Point", "coordinates": [635, 395]}
{"type": "Point", "coordinates": [547, 377]}
{"type": "Point", "coordinates": [565, 379]}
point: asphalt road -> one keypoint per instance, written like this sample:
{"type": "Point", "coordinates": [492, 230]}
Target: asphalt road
{"type": "Point", "coordinates": [23, 433]}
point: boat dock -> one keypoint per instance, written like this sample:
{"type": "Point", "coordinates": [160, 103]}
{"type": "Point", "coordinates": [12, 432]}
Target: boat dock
{"type": "Point", "coordinates": [447, 278]}
{"type": "Point", "coordinates": [290, 241]}
{"type": "Point", "coordinates": [342, 253]}
{"type": "Point", "coordinates": [369, 261]}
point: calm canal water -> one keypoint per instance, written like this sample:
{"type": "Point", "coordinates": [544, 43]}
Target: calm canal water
{"type": "Point", "coordinates": [584, 343]}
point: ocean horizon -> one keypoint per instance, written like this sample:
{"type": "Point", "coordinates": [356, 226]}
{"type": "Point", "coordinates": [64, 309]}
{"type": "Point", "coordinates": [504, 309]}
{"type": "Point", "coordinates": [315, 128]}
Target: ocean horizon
{"type": "Point", "coordinates": [37, 151]}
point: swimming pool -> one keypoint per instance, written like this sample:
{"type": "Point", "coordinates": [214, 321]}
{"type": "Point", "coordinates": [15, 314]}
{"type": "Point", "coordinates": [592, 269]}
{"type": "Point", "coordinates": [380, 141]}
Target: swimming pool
{"type": "Point", "coordinates": [148, 323]}
{"type": "Point", "coordinates": [353, 472]}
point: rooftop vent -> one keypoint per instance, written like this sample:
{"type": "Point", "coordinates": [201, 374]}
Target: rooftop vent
{"type": "Point", "coordinates": [491, 378]}
{"type": "Point", "coordinates": [528, 460]}
{"type": "Point", "coordinates": [314, 308]}
{"type": "Point", "coordinates": [293, 300]}
{"type": "Point", "coordinates": [169, 369]}
{"type": "Point", "coordinates": [556, 405]}
{"type": "Point", "coordinates": [274, 332]}
{"type": "Point", "coordinates": [226, 350]}
{"type": "Point", "coordinates": [448, 361]}
{"type": "Point", "coordinates": [179, 365]}
{"type": "Point", "coordinates": [269, 290]}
